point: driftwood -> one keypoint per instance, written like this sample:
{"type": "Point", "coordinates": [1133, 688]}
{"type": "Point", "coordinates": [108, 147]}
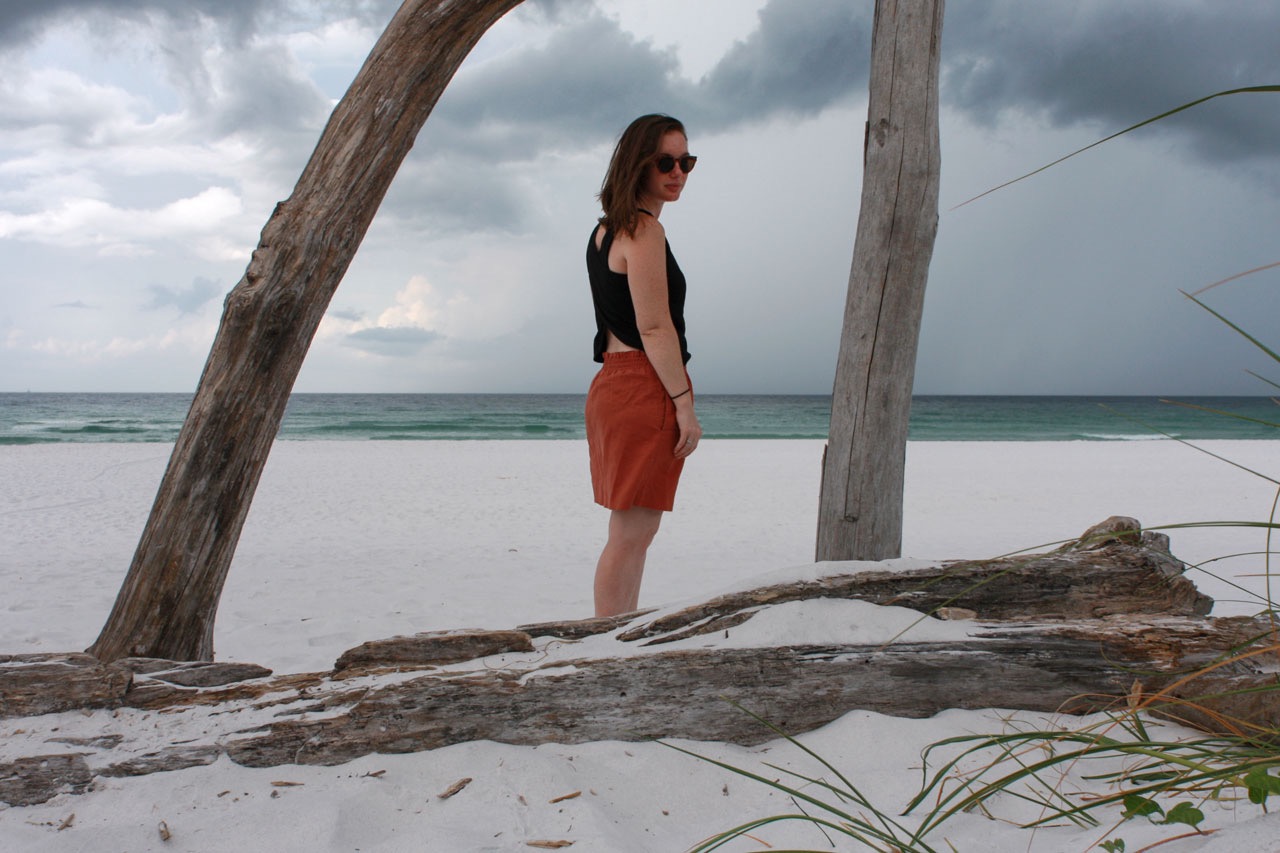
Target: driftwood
{"type": "Point", "coordinates": [1069, 584]}
{"type": "Point", "coordinates": [1082, 629]}
{"type": "Point", "coordinates": [860, 504]}
{"type": "Point", "coordinates": [48, 683]}
{"type": "Point", "coordinates": [167, 603]}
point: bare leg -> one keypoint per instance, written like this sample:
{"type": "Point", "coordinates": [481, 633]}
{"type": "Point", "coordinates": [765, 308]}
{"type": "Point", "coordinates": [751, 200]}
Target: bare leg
{"type": "Point", "coordinates": [621, 563]}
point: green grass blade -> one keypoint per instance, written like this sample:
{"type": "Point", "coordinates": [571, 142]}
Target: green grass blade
{"type": "Point", "coordinates": [1231, 278]}
{"type": "Point", "coordinates": [1275, 385]}
{"type": "Point", "coordinates": [719, 840]}
{"type": "Point", "coordinates": [1186, 443]}
{"type": "Point", "coordinates": [1223, 412]}
{"type": "Point", "coordinates": [1188, 782]}
{"type": "Point", "coordinates": [1250, 338]}
{"type": "Point", "coordinates": [1164, 115]}
{"type": "Point", "coordinates": [1202, 763]}
{"type": "Point", "coordinates": [968, 794]}
{"type": "Point", "coordinates": [893, 828]}
{"type": "Point", "coordinates": [862, 825]}
{"type": "Point", "coordinates": [1191, 525]}
{"type": "Point", "coordinates": [806, 750]}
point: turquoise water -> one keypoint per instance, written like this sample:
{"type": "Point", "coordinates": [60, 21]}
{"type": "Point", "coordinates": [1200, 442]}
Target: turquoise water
{"type": "Point", "coordinates": [27, 418]}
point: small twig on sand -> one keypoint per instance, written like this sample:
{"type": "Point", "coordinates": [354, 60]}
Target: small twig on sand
{"type": "Point", "coordinates": [454, 788]}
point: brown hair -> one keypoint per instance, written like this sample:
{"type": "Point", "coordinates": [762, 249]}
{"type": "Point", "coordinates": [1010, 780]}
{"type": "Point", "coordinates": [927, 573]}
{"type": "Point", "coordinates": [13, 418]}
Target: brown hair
{"type": "Point", "coordinates": [620, 191]}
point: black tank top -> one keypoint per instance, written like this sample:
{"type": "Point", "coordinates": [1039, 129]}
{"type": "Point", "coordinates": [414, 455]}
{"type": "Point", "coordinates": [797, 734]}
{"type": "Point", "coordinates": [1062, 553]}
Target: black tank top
{"type": "Point", "coordinates": [611, 294]}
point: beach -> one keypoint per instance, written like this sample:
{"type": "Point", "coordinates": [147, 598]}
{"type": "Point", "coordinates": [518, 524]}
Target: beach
{"type": "Point", "coordinates": [354, 541]}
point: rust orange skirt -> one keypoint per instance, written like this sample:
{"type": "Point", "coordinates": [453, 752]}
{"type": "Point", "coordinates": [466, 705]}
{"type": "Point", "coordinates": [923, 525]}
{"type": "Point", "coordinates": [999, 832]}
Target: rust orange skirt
{"type": "Point", "coordinates": [631, 435]}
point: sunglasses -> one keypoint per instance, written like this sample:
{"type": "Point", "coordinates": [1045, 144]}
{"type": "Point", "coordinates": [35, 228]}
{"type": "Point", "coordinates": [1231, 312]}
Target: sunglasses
{"type": "Point", "coordinates": [666, 163]}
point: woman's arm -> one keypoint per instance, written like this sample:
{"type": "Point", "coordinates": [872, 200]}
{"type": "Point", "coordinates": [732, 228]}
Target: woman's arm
{"type": "Point", "coordinates": [646, 264]}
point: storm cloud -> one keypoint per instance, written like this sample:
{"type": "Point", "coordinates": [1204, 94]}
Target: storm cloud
{"type": "Point", "coordinates": [147, 141]}
{"type": "Point", "coordinates": [1110, 65]}
{"type": "Point", "coordinates": [24, 20]}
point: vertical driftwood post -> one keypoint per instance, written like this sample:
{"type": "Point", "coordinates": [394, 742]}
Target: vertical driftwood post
{"type": "Point", "coordinates": [167, 604]}
{"type": "Point", "coordinates": [860, 510]}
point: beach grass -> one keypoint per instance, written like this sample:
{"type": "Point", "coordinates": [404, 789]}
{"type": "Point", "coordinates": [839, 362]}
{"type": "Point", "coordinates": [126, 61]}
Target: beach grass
{"type": "Point", "coordinates": [1145, 769]}
{"type": "Point", "coordinates": [1165, 780]}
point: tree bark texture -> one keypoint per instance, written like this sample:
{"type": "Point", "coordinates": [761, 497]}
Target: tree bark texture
{"type": "Point", "coordinates": [167, 604]}
{"type": "Point", "coordinates": [860, 510]}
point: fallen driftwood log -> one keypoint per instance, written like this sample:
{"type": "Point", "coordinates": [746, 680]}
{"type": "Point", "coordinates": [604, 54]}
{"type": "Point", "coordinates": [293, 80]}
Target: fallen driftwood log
{"type": "Point", "coordinates": [1076, 630]}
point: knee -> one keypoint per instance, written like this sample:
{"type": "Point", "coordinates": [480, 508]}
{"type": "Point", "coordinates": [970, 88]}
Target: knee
{"type": "Point", "coordinates": [635, 532]}
{"type": "Point", "coordinates": [633, 539]}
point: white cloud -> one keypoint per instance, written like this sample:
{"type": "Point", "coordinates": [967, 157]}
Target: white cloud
{"type": "Point", "coordinates": [121, 232]}
{"type": "Point", "coordinates": [188, 337]}
{"type": "Point", "coordinates": [404, 328]}
{"type": "Point", "coordinates": [196, 214]}
{"type": "Point", "coordinates": [413, 306]}
{"type": "Point", "coordinates": [705, 31]}
{"type": "Point", "coordinates": [52, 104]}
{"type": "Point", "coordinates": [330, 52]}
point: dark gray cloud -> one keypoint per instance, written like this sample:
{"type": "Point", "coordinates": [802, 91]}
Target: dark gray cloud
{"type": "Point", "coordinates": [584, 84]}
{"type": "Point", "coordinates": [21, 20]}
{"type": "Point", "coordinates": [1103, 64]}
{"type": "Point", "coordinates": [373, 13]}
{"type": "Point", "coordinates": [591, 78]}
{"type": "Point", "coordinates": [261, 95]}
{"type": "Point", "coordinates": [1096, 61]}
{"type": "Point", "coordinates": [393, 341]}
{"type": "Point", "coordinates": [1113, 64]}
{"type": "Point", "coordinates": [453, 194]}
{"type": "Point", "coordinates": [354, 315]}
{"type": "Point", "coordinates": [803, 58]}
{"type": "Point", "coordinates": [186, 300]}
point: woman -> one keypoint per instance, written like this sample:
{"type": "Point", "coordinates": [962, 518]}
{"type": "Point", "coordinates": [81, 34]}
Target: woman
{"type": "Point", "coordinates": [641, 424]}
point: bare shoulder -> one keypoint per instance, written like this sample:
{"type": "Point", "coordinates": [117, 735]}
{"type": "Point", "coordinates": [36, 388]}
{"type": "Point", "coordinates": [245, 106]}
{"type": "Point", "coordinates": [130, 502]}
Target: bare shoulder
{"type": "Point", "coordinates": [649, 239]}
{"type": "Point", "coordinates": [650, 226]}
{"type": "Point", "coordinates": [649, 233]}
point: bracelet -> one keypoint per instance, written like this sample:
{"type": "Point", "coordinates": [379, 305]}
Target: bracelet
{"type": "Point", "coordinates": [675, 397]}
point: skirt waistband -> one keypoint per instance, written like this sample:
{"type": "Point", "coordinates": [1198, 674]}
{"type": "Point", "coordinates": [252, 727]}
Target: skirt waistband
{"type": "Point", "coordinates": [626, 357]}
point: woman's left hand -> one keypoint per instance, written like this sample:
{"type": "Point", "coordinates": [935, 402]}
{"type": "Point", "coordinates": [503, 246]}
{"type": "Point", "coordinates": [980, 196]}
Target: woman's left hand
{"type": "Point", "coordinates": [690, 429]}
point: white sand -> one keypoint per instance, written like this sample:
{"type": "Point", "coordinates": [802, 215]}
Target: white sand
{"type": "Point", "coordinates": [350, 541]}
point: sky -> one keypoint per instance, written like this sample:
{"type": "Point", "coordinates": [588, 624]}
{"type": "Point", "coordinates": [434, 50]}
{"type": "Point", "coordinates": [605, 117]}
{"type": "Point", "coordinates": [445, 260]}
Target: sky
{"type": "Point", "coordinates": [144, 144]}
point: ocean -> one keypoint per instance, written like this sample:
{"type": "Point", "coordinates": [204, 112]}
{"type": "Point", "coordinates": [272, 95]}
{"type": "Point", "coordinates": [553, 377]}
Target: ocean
{"type": "Point", "coordinates": [36, 418]}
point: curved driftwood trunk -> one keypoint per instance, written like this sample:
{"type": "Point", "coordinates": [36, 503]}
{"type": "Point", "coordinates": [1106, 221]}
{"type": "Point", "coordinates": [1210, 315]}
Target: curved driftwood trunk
{"type": "Point", "coordinates": [167, 604]}
{"type": "Point", "coordinates": [860, 511]}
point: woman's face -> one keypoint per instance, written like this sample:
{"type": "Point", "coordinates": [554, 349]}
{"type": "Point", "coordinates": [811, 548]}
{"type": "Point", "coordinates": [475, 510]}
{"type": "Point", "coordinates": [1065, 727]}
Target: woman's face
{"type": "Point", "coordinates": [666, 186]}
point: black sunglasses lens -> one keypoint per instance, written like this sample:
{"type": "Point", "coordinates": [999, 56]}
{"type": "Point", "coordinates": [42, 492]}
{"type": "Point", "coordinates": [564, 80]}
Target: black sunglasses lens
{"type": "Point", "coordinates": [666, 163]}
